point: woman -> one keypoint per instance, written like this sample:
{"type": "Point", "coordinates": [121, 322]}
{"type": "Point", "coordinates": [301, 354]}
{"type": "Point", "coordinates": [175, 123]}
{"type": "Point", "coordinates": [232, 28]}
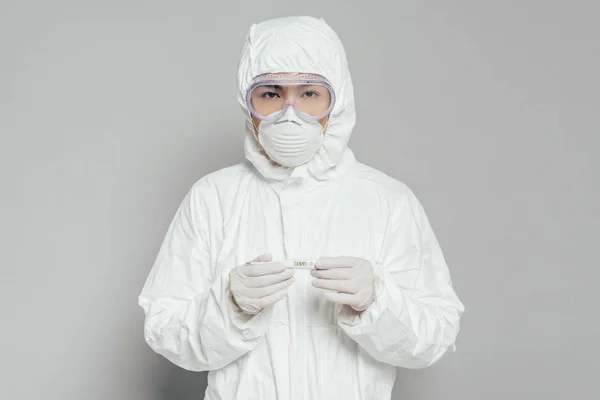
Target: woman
{"type": "Point", "coordinates": [378, 295]}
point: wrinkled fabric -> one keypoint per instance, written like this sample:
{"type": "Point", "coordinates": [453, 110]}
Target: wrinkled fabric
{"type": "Point", "coordinates": [304, 346]}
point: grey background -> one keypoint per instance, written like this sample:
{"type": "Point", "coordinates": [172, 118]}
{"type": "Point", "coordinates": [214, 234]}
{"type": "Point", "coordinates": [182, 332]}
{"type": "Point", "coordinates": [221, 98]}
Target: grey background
{"type": "Point", "coordinates": [111, 110]}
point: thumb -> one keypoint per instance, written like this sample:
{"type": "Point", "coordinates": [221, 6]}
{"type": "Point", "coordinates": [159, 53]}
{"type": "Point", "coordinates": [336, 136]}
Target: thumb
{"type": "Point", "coordinates": [263, 258]}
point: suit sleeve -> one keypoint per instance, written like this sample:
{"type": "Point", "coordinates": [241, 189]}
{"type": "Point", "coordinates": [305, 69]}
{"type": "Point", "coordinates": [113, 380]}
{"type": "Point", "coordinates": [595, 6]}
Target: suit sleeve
{"type": "Point", "coordinates": [190, 316]}
{"type": "Point", "coordinates": [415, 318]}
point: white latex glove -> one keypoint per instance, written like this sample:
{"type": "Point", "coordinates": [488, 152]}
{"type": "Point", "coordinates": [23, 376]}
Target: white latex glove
{"type": "Point", "coordinates": [256, 286]}
{"type": "Point", "coordinates": [346, 280]}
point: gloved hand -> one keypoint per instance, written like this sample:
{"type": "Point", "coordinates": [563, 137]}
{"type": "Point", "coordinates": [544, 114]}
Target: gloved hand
{"type": "Point", "coordinates": [256, 286]}
{"type": "Point", "coordinates": [346, 280]}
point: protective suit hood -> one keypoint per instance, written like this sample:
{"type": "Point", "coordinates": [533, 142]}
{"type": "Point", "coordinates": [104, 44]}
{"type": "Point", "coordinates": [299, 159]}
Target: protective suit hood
{"type": "Point", "coordinates": [300, 44]}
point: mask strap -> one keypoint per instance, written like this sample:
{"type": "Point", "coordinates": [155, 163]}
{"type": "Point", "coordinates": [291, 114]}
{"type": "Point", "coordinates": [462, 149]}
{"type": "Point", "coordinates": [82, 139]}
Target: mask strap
{"type": "Point", "coordinates": [324, 130]}
{"type": "Point", "coordinates": [254, 127]}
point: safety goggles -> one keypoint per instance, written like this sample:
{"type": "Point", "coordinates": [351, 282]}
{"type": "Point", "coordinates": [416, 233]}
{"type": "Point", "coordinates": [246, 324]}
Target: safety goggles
{"type": "Point", "coordinates": [269, 96]}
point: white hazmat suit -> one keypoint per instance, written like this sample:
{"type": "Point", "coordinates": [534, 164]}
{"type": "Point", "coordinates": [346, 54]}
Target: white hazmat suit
{"type": "Point", "coordinates": [303, 346]}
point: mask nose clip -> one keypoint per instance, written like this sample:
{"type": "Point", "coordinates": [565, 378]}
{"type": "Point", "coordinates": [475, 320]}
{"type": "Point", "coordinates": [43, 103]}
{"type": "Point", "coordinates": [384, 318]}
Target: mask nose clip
{"type": "Point", "coordinates": [281, 121]}
{"type": "Point", "coordinates": [288, 103]}
{"type": "Point", "coordinates": [285, 117]}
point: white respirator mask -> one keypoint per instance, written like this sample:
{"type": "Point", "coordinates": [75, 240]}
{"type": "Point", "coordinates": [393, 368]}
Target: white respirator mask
{"type": "Point", "coordinates": [290, 141]}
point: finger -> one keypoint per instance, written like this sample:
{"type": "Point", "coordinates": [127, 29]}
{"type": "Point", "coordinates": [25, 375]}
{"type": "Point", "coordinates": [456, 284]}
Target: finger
{"type": "Point", "coordinates": [334, 262]}
{"type": "Point", "coordinates": [272, 298]}
{"type": "Point", "coordinates": [247, 306]}
{"type": "Point", "coordinates": [268, 280]}
{"type": "Point", "coordinates": [263, 269]}
{"type": "Point", "coordinates": [258, 293]}
{"type": "Point", "coordinates": [335, 273]}
{"type": "Point", "coordinates": [340, 298]}
{"type": "Point", "coordinates": [263, 258]}
{"type": "Point", "coordinates": [337, 286]}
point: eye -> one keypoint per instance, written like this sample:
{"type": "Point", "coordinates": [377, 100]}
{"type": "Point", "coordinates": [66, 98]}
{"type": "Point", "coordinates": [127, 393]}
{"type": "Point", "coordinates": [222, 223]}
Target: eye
{"type": "Point", "coordinates": [310, 93]}
{"type": "Point", "coordinates": [269, 95]}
